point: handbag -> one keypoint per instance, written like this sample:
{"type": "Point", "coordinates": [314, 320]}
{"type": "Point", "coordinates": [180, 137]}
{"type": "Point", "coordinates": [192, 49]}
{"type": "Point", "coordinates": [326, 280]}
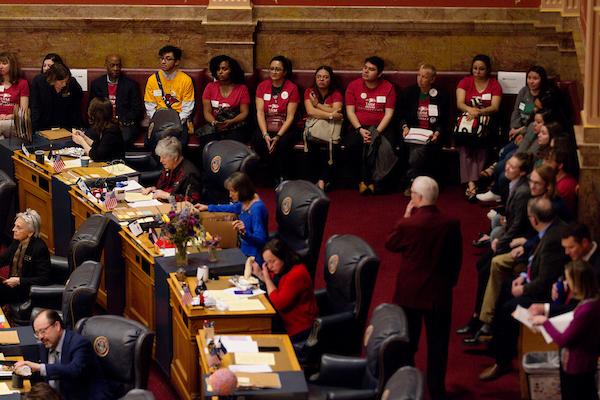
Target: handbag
{"type": "Point", "coordinates": [274, 123]}
{"type": "Point", "coordinates": [471, 129]}
{"type": "Point", "coordinates": [323, 131]}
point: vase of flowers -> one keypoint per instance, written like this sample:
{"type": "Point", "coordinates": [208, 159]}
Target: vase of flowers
{"type": "Point", "coordinates": [180, 228]}
{"type": "Point", "coordinates": [211, 243]}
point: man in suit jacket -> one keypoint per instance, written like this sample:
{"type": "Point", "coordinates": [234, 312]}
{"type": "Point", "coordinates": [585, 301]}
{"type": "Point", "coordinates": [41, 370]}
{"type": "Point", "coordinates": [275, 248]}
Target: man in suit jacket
{"type": "Point", "coordinates": [546, 265]}
{"type": "Point", "coordinates": [67, 361]}
{"type": "Point", "coordinates": [431, 246]}
{"type": "Point", "coordinates": [28, 258]}
{"type": "Point", "coordinates": [123, 93]}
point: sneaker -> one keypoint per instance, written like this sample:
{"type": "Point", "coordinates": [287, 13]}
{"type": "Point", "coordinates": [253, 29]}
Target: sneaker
{"type": "Point", "coordinates": [489, 196]}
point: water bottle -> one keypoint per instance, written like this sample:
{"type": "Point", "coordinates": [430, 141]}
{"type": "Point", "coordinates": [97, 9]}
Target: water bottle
{"type": "Point", "coordinates": [562, 293]}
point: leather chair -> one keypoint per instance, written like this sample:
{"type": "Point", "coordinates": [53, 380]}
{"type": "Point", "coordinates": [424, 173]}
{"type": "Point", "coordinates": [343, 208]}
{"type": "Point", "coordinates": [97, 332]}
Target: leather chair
{"type": "Point", "coordinates": [76, 298]}
{"type": "Point", "coordinates": [146, 164]}
{"type": "Point", "coordinates": [405, 384]}
{"type": "Point", "coordinates": [124, 349]}
{"type": "Point", "coordinates": [86, 244]}
{"type": "Point", "coordinates": [220, 159]}
{"type": "Point", "coordinates": [138, 394]}
{"type": "Point", "coordinates": [350, 273]}
{"type": "Point", "coordinates": [301, 215]}
{"type": "Point", "coordinates": [386, 348]}
{"type": "Point", "coordinates": [8, 191]}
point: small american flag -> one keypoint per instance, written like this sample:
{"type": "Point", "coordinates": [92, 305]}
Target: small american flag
{"type": "Point", "coordinates": [110, 200]}
{"type": "Point", "coordinates": [59, 164]}
{"type": "Point", "coordinates": [187, 296]}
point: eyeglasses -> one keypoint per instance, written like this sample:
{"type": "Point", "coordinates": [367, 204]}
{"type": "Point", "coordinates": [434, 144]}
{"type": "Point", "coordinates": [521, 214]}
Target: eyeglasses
{"type": "Point", "coordinates": [166, 59]}
{"type": "Point", "coordinates": [41, 332]}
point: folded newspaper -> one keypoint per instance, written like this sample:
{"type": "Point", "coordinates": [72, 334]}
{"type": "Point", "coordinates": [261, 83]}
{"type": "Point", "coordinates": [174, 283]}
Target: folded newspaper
{"type": "Point", "coordinates": [418, 136]}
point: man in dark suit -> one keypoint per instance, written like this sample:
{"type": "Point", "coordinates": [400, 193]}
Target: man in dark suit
{"type": "Point", "coordinates": [67, 361]}
{"type": "Point", "coordinates": [431, 246]}
{"type": "Point", "coordinates": [546, 265]}
{"type": "Point", "coordinates": [123, 93]}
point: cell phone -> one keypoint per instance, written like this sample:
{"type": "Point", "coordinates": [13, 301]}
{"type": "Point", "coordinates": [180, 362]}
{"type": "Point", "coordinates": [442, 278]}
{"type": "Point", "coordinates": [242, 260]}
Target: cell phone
{"type": "Point", "coordinates": [268, 349]}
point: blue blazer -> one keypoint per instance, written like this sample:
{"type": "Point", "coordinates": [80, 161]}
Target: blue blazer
{"type": "Point", "coordinates": [77, 371]}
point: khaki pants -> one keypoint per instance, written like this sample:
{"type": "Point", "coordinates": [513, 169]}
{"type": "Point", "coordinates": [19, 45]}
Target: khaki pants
{"type": "Point", "coordinates": [503, 268]}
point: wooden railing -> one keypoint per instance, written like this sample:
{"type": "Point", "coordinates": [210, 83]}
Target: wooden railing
{"type": "Point", "coordinates": [565, 7]}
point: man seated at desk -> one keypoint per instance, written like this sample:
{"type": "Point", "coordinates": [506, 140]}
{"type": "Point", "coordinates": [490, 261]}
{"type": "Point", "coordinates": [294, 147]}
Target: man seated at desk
{"type": "Point", "coordinates": [28, 257]}
{"type": "Point", "coordinates": [67, 361]}
{"type": "Point", "coordinates": [179, 177]}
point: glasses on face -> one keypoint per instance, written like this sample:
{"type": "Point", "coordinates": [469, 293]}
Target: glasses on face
{"type": "Point", "coordinates": [167, 59]}
{"type": "Point", "coordinates": [276, 69]}
{"type": "Point", "coordinates": [41, 332]}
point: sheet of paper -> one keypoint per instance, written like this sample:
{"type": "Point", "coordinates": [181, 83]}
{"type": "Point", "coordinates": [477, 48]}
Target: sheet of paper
{"type": "Point", "coordinates": [255, 358]}
{"type": "Point", "coordinates": [512, 82]}
{"type": "Point", "coordinates": [119, 169]}
{"type": "Point", "coordinates": [250, 368]}
{"type": "Point", "coordinates": [132, 186]}
{"type": "Point", "coordinates": [522, 315]}
{"type": "Point", "coordinates": [9, 337]}
{"type": "Point", "coordinates": [145, 203]}
{"type": "Point", "coordinates": [4, 389]}
{"type": "Point", "coordinates": [246, 305]}
{"type": "Point", "coordinates": [132, 197]}
{"type": "Point", "coordinates": [72, 163]}
{"type": "Point", "coordinates": [258, 380]}
{"type": "Point", "coordinates": [239, 346]}
{"type": "Point", "coordinates": [168, 252]}
{"type": "Point", "coordinates": [561, 323]}
{"type": "Point", "coordinates": [81, 76]}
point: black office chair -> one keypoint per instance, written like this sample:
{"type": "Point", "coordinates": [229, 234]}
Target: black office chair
{"type": "Point", "coordinates": [138, 394]}
{"type": "Point", "coordinates": [8, 192]}
{"type": "Point", "coordinates": [76, 298]}
{"type": "Point", "coordinates": [86, 244]}
{"type": "Point", "coordinates": [220, 159]}
{"type": "Point", "coordinates": [350, 273]}
{"type": "Point", "coordinates": [386, 348]}
{"type": "Point", "coordinates": [405, 384]}
{"type": "Point", "coordinates": [146, 164]}
{"type": "Point", "coordinates": [301, 215]}
{"type": "Point", "coordinates": [124, 349]}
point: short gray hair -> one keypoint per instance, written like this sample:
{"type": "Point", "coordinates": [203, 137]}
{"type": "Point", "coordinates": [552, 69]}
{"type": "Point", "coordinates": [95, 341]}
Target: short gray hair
{"type": "Point", "coordinates": [427, 188]}
{"type": "Point", "coordinates": [168, 147]}
{"type": "Point", "coordinates": [32, 220]}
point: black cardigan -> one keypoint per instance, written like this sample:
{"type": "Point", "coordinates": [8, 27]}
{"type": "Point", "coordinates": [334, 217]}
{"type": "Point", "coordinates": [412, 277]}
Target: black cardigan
{"type": "Point", "coordinates": [52, 110]}
{"type": "Point", "coordinates": [410, 104]}
{"type": "Point", "coordinates": [36, 262]}
{"type": "Point", "coordinates": [108, 146]}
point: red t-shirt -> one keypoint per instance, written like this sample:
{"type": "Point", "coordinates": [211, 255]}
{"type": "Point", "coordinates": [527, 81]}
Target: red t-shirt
{"type": "Point", "coordinates": [566, 188]}
{"type": "Point", "coordinates": [423, 112]}
{"type": "Point", "coordinates": [112, 96]}
{"type": "Point", "coordinates": [239, 95]}
{"type": "Point", "coordinates": [482, 99]}
{"type": "Point", "coordinates": [12, 95]}
{"type": "Point", "coordinates": [370, 104]}
{"type": "Point", "coordinates": [276, 105]}
{"type": "Point", "coordinates": [335, 97]}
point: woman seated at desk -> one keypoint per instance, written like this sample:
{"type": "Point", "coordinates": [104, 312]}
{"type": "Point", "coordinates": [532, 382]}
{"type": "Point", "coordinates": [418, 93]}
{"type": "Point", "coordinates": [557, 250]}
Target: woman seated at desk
{"type": "Point", "coordinates": [28, 258]}
{"type": "Point", "coordinates": [289, 287]}
{"type": "Point", "coordinates": [107, 143]}
{"type": "Point", "coordinates": [179, 177]}
{"type": "Point", "coordinates": [253, 222]}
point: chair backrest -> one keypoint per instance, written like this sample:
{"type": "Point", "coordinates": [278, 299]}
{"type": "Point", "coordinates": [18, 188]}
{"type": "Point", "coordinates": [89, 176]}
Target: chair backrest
{"type": "Point", "coordinates": [350, 273]}
{"type": "Point", "coordinates": [80, 292]}
{"type": "Point", "coordinates": [8, 190]}
{"type": "Point", "coordinates": [165, 122]}
{"type": "Point", "coordinates": [138, 394]}
{"type": "Point", "coordinates": [220, 159]}
{"type": "Point", "coordinates": [301, 216]}
{"type": "Point", "coordinates": [405, 384]}
{"type": "Point", "coordinates": [386, 344]}
{"type": "Point", "coordinates": [123, 347]}
{"type": "Point", "coordinates": [88, 241]}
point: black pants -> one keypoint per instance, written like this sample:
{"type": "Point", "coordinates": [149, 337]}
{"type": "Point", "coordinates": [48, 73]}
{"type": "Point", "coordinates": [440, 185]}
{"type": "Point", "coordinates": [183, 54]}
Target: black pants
{"type": "Point", "coordinates": [437, 327]}
{"type": "Point", "coordinates": [578, 386]}
{"type": "Point", "coordinates": [506, 328]}
{"type": "Point", "coordinates": [279, 162]}
{"type": "Point", "coordinates": [318, 158]}
{"type": "Point", "coordinates": [422, 159]}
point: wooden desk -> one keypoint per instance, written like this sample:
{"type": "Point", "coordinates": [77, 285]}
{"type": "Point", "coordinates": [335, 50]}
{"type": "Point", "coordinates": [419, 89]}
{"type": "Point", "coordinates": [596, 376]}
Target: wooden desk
{"type": "Point", "coordinates": [187, 320]}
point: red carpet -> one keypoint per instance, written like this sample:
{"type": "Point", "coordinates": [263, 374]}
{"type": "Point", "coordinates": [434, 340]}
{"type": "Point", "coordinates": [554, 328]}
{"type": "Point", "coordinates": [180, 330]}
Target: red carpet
{"type": "Point", "coordinates": [371, 218]}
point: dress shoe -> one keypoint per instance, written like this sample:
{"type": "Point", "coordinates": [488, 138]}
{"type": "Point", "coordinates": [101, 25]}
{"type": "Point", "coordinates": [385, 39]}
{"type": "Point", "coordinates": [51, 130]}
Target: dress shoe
{"type": "Point", "coordinates": [483, 335]}
{"type": "Point", "coordinates": [489, 196]}
{"type": "Point", "coordinates": [470, 328]}
{"type": "Point", "coordinates": [493, 372]}
{"type": "Point", "coordinates": [363, 188]}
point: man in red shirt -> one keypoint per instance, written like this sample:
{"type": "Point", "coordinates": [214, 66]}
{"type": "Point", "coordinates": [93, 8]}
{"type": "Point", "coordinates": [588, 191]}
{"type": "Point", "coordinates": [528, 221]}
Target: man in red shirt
{"type": "Point", "coordinates": [370, 103]}
{"type": "Point", "coordinates": [430, 242]}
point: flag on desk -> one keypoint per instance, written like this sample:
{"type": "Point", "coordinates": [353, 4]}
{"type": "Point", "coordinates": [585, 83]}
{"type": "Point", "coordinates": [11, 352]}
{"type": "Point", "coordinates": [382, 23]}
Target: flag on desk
{"type": "Point", "coordinates": [58, 164]}
{"type": "Point", "coordinates": [110, 200]}
{"type": "Point", "coordinates": [186, 298]}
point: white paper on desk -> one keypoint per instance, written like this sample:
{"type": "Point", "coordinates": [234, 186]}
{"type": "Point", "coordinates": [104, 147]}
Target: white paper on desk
{"type": "Point", "coordinates": [250, 368]}
{"type": "Point", "coordinates": [132, 186]}
{"type": "Point", "coordinates": [245, 305]}
{"type": "Point", "coordinates": [255, 292]}
{"type": "Point", "coordinates": [146, 203]}
{"type": "Point", "coordinates": [522, 315]}
{"type": "Point", "coordinates": [72, 163]}
{"type": "Point", "coordinates": [80, 76]}
{"type": "Point", "coordinates": [239, 346]}
{"type": "Point", "coordinates": [561, 323]}
{"type": "Point", "coordinates": [119, 169]}
{"type": "Point", "coordinates": [4, 389]}
{"type": "Point", "coordinates": [132, 197]}
{"type": "Point", "coordinates": [169, 252]}
{"type": "Point", "coordinates": [512, 82]}
{"type": "Point", "coordinates": [255, 358]}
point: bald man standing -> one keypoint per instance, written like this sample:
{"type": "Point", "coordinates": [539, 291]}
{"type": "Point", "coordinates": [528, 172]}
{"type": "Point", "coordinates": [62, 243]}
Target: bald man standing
{"type": "Point", "coordinates": [124, 95]}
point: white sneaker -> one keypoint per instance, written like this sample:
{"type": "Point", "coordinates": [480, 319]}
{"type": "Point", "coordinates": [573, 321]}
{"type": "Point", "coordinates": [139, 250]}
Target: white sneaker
{"type": "Point", "coordinates": [489, 196]}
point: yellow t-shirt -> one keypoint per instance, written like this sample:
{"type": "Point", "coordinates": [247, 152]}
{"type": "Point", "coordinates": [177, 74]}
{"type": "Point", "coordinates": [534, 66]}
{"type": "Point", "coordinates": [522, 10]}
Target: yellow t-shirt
{"type": "Point", "coordinates": [178, 91]}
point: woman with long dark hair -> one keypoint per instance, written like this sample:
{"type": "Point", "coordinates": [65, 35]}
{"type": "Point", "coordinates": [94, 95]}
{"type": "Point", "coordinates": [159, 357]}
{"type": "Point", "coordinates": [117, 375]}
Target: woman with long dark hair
{"type": "Point", "coordinates": [15, 91]}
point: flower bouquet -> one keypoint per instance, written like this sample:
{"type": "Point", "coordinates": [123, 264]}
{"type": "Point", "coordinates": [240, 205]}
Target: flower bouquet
{"type": "Point", "coordinates": [180, 228]}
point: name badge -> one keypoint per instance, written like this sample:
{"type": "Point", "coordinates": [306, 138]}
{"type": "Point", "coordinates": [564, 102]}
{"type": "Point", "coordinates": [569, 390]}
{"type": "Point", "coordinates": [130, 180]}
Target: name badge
{"type": "Point", "coordinates": [380, 99]}
{"type": "Point", "coordinates": [486, 96]}
{"type": "Point", "coordinates": [27, 258]}
{"type": "Point", "coordinates": [522, 106]}
{"type": "Point", "coordinates": [157, 93]}
{"type": "Point", "coordinates": [267, 96]}
{"type": "Point", "coordinates": [214, 103]}
{"type": "Point", "coordinates": [433, 110]}
{"type": "Point", "coordinates": [284, 95]}
{"type": "Point", "coordinates": [1, 88]}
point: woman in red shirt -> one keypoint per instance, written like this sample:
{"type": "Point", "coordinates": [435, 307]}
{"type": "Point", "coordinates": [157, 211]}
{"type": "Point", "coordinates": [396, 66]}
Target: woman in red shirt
{"type": "Point", "coordinates": [476, 95]}
{"type": "Point", "coordinates": [226, 100]}
{"type": "Point", "coordinates": [289, 287]}
{"type": "Point", "coordinates": [13, 91]}
{"type": "Point", "coordinates": [277, 100]}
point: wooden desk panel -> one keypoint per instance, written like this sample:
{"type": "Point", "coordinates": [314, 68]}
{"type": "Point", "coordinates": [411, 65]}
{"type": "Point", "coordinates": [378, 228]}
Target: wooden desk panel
{"type": "Point", "coordinates": [529, 342]}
